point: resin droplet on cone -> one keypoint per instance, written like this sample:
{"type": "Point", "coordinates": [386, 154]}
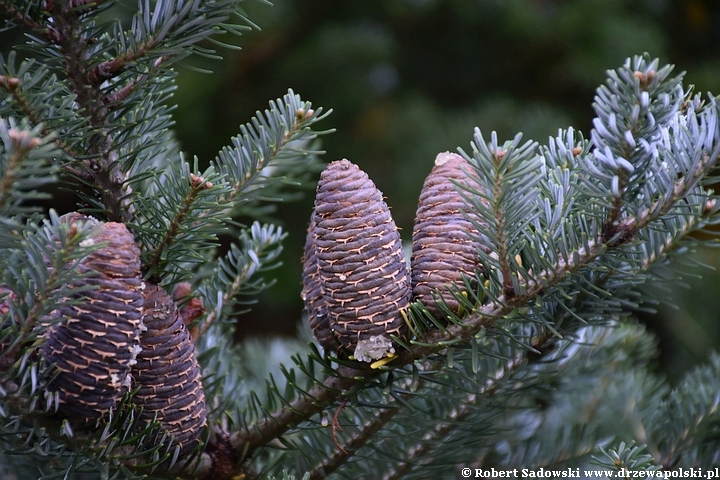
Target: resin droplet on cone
{"type": "Point", "coordinates": [361, 269]}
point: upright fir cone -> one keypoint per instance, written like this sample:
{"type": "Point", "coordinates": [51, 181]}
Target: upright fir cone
{"type": "Point", "coordinates": [168, 373]}
{"type": "Point", "coordinates": [362, 273]}
{"type": "Point", "coordinates": [94, 345]}
{"type": "Point", "coordinates": [444, 242]}
{"type": "Point", "coordinates": [312, 295]}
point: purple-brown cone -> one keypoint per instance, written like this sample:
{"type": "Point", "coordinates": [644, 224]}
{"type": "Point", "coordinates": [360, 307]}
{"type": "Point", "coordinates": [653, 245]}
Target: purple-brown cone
{"type": "Point", "coordinates": [444, 242]}
{"type": "Point", "coordinates": [168, 373]}
{"type": "Point", "coordinates": [95, 344]}
{"type": "Point", "coordinates": [362, 273]}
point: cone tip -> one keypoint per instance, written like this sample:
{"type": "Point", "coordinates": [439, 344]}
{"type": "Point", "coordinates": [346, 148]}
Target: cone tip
{"type": "Point", "coordinates": [444, 157]}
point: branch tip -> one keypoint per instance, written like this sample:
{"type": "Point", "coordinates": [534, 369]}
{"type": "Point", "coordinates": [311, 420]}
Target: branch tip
{"type": "Point", "coordinates": [303, 114]}
{"type": "Point", "coordinates": [199, 182]}
{"type": "Point", "coordinates": [644, 77]}
{"type": "Point", "coordinates": [23, 140]}
{"type": "Point", "coordinates": [9, 83]}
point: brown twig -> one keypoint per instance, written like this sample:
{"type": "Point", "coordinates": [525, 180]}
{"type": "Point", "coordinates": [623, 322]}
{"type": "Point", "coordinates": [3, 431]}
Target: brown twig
{"type": "Point", "coordinates": [118, 96]}
{"type": "Point", "coordinates": [20, 18]}
{"type": "Point", "coordinates": [335, 425]}
{"type": "Point", "coordinates": [112, 68]}
{"type": "Point", "coordinates": [611, 228]}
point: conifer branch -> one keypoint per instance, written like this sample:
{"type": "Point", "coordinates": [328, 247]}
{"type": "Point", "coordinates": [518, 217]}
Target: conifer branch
{"type": "Point", "coordinates": [266, 141]}
{"type": "Point", "coordinates": [563, 248]}
{"type": "Point", "coordinates": [234, 273]}
{"type": "Point", "coordinates": [499, 226]}
{"type": "Point", "coordinates": [60, 267]}
{"type": "Point", "coordinates": [610, 227]}
{"type": "Point", "coordinates": [73, 43]}
{"type": "Point", "coordinates": [314, 401]}
{"type": "Point", "coordinates": [20, 18]}
{"type": "Point", "coordinates": [485, 316]}
{"type": "Point", "coordinates": [112, 68]}
{"type": "Point", "coordinates": [688, 416]}
{"type": "Point", "coordinates": [341, 455]}
{"type": "Point", "coordinates": [364, 433]}
{"type": "Point", "coordinates": [418, 452]}
{"type": "Point", "coordinates": [12, 85]}
{"type": "Point", "coordinates": [24, 167]}
{"type": "Point", "coordinates": [197, 185]}
{"type": "Point", "coordinates": [335, 387]}
{"type": "Point", "coordinates": [627, 457]}
{"type": "Point", "coordinates": [40, 301]}
{"type": "Point", "coordinates": [118, 96]}
{"type": "Point", "coordinates": [231, 292]}
{"type": "Point", "coordinates": [172, 29]}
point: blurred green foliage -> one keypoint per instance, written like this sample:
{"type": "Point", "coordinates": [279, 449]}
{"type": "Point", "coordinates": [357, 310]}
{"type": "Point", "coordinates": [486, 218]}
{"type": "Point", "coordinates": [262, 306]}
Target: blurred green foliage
{"type": "Point", "coordinates": [407, 79]}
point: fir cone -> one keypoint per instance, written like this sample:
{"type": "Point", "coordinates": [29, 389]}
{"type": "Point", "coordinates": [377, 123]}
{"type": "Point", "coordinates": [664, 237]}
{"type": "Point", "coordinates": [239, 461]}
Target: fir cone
{"type": "Point", "coordinates": [168, 373]}
{"type": "Point", "coordinates": [312, 295]}
{"type": "Point", "coordinates": [361, 267]}
{"type": "Point", "coordinates": [444, 242]}
{"type": "Point", "coordinates": [95, 344]}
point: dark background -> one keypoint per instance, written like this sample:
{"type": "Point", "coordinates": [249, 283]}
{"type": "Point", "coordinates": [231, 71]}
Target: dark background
{"type": "Point", "coordinates": [407, 79]}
